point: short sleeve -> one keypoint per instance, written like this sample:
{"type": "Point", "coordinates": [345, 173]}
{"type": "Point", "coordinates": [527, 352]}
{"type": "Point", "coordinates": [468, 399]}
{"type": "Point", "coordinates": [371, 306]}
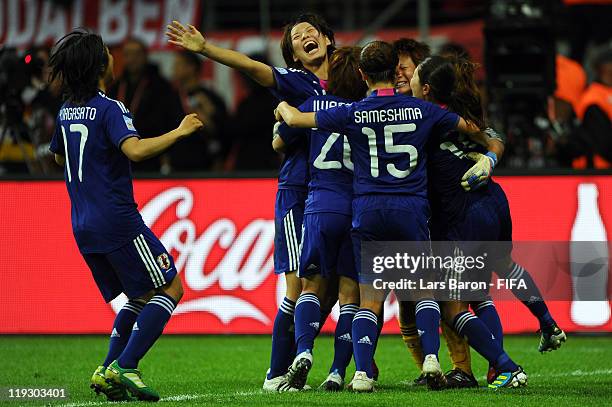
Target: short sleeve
{"type": "Point", "coordinates": [57, 141]}
{"type": "Point", "coordinates": [335, 119]}
{"type": "Point", "coordinates": [119, 124]}
{"type": "Point", "coordinates": [444, 120]}
{"type": "Point", "coordinates": [291, 85]}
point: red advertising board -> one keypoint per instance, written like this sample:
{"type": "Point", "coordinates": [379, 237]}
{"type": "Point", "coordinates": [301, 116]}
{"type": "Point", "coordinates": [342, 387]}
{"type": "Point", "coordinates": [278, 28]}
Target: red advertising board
{"type": "Point", "coordinates": [221, 232]}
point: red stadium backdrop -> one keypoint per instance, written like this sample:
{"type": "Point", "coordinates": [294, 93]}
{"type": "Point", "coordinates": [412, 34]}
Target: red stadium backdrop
{"type": "Point", "coordinates": [220, 233]}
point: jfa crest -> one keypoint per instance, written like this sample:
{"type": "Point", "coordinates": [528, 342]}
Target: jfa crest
{"type": "Point", "coordinates": [163, 261]}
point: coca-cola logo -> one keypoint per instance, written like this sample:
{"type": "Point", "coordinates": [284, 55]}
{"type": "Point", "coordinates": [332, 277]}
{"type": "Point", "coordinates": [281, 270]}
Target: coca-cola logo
{"type": "Point", "coordinates": [247, 260]}
{"type": "Point", "coordinates": [246, 263]}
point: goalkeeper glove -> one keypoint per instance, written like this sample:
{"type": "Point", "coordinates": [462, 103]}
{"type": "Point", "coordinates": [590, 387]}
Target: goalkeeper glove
{"type": "Point", "coordinates": [479, 174]}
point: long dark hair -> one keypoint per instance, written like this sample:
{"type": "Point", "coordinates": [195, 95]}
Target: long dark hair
{"type": "Point", "coordinates": [452, 83]}
{"type": "Point", "coordinates": [78, 59]}
{"type": "Point", "coordinates": [344, 79]}
{"type": "Point", "coordinates": [314, 20]}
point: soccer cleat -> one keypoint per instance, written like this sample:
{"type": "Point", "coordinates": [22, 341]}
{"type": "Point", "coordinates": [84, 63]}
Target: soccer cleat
{"type": "Point", "coordinates": [420, 381]}
{"type": "Point", "coordinates": [132, 380]}
{"type": "Point", "coordinates": [112, 391]}
{"type": "Point", "coordinates": [298, 371]}
{"type": "Point", "coordinates": [510, 379]}
{"type": "Point", "coordinates": [433, 373]}
{"type": "Point", "coordinates": [361, 383]}
{"type": "Point", "coordinates": [551, 339]}
{"type": "Point", "coordinates": [334, 382]}
{"type": "Point", "coordinates": [458, 379]}
{"type": "Point", "coordinates": [274, 383]}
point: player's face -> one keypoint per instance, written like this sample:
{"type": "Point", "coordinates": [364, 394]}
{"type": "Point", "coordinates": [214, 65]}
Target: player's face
{"type": "Point", "coordinates": [415, 85]}
{"type": "Point", "coordinates": [405, 71]}
{"type": "Point", "coordinates": [309, 45]}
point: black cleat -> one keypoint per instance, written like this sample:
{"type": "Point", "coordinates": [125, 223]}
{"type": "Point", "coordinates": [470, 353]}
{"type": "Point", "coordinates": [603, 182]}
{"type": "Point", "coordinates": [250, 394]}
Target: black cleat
{"type": "Point", "coordinates": [458, 379]}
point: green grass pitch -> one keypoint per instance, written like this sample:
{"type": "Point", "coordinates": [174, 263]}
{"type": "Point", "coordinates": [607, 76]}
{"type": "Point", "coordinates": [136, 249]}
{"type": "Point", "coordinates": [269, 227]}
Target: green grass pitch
{"type": "Point", "coordinates": [229, 370]}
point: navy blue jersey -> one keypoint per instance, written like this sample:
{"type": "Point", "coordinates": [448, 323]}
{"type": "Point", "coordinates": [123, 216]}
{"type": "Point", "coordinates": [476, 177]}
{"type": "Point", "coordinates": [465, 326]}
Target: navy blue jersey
{"type": "Point", "coordinates": [447, 165]}
{"type": "Point", "coordinates": [295, 86]}
{"type": "Point", "coordinates": [331, 170]}
{"type": "Point", "coordinates": [98, 175]}
{"type": "Point", "coordinates": [388, 133]}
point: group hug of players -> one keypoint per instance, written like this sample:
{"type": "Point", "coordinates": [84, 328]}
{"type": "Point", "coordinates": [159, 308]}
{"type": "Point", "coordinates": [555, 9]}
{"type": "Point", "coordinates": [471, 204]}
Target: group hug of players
{"type": "Point", "coordinates": [381, 143]}
{"type": "Point", "coordinates": [384, 143]}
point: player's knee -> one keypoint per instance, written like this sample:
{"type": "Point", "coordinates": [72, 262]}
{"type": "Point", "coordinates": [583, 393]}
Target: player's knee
{"type": "Point", "coordinates": [348, 292]}
{"type": "Point", "coordinates": [294, 286]}
{"type": "Point", "coordinates": [174, 289]}
{"type": "Point", "coordinates": [451, 309]}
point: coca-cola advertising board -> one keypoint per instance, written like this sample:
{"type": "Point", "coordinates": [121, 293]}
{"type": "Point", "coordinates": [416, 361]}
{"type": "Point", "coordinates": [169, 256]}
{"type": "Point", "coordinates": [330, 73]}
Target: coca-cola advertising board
{"type": "Point", "coordinates": [221, 234]}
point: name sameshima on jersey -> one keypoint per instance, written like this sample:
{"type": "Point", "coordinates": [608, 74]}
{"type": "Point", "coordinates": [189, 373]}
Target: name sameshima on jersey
{"type": "Point", "coordinates": [388, 115]}
{"type": "Point", "coordinates": [78, 113]}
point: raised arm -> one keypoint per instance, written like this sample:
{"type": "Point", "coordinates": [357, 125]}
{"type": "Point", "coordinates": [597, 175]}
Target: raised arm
{"type": "Point", "coordinates": [193, 40]}
{"type": "Point", "coordinates": [293, 117]}
{"type": "Point", "coordinates": [141, 149]}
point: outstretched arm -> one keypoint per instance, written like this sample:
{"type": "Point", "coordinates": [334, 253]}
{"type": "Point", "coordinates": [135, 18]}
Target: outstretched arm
{"type": "Point", "coordinates": [193, 40]}
{"type": "Point", "coordinates": [137, 149]}
{"type": "Point", "coordinates": [293, 117]}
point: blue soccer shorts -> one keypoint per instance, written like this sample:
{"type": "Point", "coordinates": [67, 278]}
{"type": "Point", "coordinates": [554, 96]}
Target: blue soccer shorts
{"type": "Point", "coordinates": [135, 268]}
{"type": "Point", "coordinates": [288, 217]}
{"type": "Point", "coordinates": [327, 247]}
{"type": "Point", "coordinates": [388, 218]}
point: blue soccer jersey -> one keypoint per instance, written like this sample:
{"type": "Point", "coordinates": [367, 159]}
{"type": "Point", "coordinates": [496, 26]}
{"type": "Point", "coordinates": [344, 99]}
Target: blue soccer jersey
{"type": "Point", "coordinates": [388, 133]}
{"type": "Point", "coordinates": [295, 86]}
{"type": "Point", "coordinates": [448, 162]}
{"type": "Point", "coordinates": [98, 175]}
{"type": "Point", "coordinates": [331, 171]}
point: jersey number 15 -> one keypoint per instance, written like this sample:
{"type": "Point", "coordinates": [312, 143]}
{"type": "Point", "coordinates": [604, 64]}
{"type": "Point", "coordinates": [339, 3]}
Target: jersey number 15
{"type": "Point", "coordinates": [390, 148]}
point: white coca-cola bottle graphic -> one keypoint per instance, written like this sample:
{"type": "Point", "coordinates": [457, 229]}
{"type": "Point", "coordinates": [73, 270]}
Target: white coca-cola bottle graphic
{"type": "Point", "coordinates": [589, 261]}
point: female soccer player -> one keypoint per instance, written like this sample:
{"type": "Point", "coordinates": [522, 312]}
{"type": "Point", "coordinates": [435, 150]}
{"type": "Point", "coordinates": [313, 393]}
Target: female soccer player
{"type": "Point", "coordinates": [326, 248]}
{"type": "Point", "coordinates": [95, 140]}
{"type": "Point", "coordinates": [306, 45]}
{"type": "Point", "coordinates": [390, 201]}
{"type": "Point", "coordinates": [480, 215]}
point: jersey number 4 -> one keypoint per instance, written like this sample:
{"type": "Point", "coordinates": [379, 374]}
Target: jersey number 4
{"type": "Point", "coordinates": [389, 130]}
{"type": "Point", "coordinates": [83, 132]}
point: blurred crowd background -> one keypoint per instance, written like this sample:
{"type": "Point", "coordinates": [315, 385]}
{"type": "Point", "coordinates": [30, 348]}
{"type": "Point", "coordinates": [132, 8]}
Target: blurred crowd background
{"type": "Point", "coordinates": [546, 77]}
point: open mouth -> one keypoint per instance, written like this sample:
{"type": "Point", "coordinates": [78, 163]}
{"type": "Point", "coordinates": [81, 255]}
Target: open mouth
{"type": "Point", "coordinates": [401, 84]}
{"type": "Point", "coordinates": [311, 47]}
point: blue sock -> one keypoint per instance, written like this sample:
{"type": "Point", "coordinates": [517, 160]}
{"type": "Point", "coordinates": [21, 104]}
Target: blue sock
{"type": "Point", "coordinates": [480, 338]}
{"type": "Point", "coordinates": [307, 321]}
{"type": "Point", "coordinates": [122, 328]}
{"type": "Point", "coordinates": [428, 324]}
{"type": "Point", "coordinates": [487, 313]}
{"type": "Point", "coordinates": [365, 333]}
{"type": "Point", "coordinates": [343, 344]}
{"type": "Point", "coordinates": [147, 329]}
{"type": "Point", "coordinates": [531, 297]}
{"type": "Point", "coordinates": [283, 339]}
